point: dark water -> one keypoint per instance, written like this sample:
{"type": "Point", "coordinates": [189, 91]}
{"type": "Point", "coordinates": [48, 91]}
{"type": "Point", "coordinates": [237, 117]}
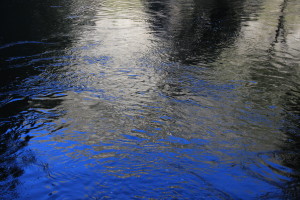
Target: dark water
{"type": "Point", "coordinates": [150, 99]}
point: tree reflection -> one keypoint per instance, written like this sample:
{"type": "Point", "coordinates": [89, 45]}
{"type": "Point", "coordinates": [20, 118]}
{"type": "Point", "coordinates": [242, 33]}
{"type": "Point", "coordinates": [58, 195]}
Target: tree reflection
{"type": "Point", "coordinates": [291, 102]}
{"type": "Point", "coordinates": [17, 119]}
{"type": "Point", "coordinates": [11, 150]}
{"type": "Point", "coordinates": [196, 31]}
{"type": "Point", "coordinates": [290, 151]}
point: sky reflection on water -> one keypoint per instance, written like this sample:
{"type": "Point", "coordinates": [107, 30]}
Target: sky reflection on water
{"type": "Point", "coordinates": [149, 99]}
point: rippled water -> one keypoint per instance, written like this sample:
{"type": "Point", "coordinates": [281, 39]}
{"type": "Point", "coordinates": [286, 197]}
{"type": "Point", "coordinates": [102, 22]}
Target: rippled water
{"type": "Point", "coordinates": [149, 99]}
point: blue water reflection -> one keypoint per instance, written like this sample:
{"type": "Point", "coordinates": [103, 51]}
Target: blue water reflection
{"type": "Point", "coordinates": [149, 99]}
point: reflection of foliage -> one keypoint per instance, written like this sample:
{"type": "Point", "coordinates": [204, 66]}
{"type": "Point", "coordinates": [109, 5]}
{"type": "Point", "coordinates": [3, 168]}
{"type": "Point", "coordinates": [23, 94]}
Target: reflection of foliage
{"type": "Point", "coordinates": [197, 34]}
{"type": "Point", "coordinates": [12, 157]}
{"type": "Point", "coordinates": [290, 156]}
{"type": "Point", "coordinates": [15, 123]}
{"type": "Point", "coordinates": [19, 116]}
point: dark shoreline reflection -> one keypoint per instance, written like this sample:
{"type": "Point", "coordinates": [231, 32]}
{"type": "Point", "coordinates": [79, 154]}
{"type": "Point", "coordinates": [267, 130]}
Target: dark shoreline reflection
{"type": "Point", "coordinates": [33, 36]}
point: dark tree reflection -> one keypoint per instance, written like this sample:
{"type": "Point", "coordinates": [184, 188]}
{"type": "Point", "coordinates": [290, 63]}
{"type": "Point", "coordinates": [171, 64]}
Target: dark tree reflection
{"type": "Point", "coordinates": [291, 103]}
{"type": "Point", "coordinates": [290, 152]}
{"type": "Point", "coordinates": [196, 31]}
{"type": "Point", "coordinates": [277, 77]}
{"type": "Point", "coordinates": [17, 119]}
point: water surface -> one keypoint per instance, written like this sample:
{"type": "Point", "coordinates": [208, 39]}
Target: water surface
{"type": "Point", "coordinates": [148, 99]}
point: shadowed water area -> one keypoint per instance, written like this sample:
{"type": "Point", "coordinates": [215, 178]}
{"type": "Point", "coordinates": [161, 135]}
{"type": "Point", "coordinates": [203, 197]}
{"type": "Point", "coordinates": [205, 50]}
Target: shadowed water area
{"type": "Point", "coordinates": [149, 99]}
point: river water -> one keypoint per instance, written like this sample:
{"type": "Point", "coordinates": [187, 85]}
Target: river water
{"type": "Point", "coordinates": [150, 99]}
